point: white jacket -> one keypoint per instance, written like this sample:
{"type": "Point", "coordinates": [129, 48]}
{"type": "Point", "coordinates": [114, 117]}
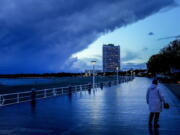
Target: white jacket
{"type": "Point", "coordinates": [154, 99]}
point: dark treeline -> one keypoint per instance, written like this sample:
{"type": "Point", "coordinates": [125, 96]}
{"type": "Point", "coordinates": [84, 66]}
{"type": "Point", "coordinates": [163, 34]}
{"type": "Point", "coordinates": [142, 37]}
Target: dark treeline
{"type": "Point", "coordinates": [166, 61]}
{"type": "Point", "coordinates": [61, 74]}
{"type": "Point", "coordinates": [40, 75]}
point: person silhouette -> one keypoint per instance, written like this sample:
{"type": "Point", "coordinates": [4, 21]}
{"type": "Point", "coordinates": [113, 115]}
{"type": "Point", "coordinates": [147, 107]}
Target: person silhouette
{"type": "Point", "coordinates": [155, 100]}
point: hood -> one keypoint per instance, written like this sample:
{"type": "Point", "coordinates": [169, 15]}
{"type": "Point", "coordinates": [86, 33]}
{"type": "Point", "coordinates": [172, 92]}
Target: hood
{"type": "Point", "coordinates": [153, 86]}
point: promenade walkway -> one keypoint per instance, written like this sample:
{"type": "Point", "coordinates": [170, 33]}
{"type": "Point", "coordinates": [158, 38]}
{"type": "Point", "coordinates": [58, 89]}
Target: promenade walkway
{"type": "Point", "coordinates": [116, 110]}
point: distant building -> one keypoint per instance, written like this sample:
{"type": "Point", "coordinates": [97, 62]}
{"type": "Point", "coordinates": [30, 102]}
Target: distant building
{"type": "Point", "coordinates": [111, 58]}
{"type": "Point", "coordinates": [90, 72]}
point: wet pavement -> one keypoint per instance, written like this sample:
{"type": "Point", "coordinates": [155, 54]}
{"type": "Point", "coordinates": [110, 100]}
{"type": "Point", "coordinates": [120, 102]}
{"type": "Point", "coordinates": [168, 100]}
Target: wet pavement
{"type": "Point", "coordinates": [116, 110]}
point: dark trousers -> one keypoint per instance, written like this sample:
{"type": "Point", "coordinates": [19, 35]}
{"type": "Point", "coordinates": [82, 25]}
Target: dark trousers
{"type": "Point", "coordinates": [154, 116]}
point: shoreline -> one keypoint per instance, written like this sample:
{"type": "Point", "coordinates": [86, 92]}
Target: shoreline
{"type": "Point", "coordinates": [4, 89]}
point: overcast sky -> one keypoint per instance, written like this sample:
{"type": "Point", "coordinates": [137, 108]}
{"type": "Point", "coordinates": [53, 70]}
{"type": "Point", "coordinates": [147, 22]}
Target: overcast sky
{"type": "Point", "coordinates": [39, 36]}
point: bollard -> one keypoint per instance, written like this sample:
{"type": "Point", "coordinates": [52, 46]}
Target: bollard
{"type": "Point", "coordinates": [18, 97]}
{"type": "Point", "coordinates": [70, 90]}
{"type": "Point", "coordinates": [119, 81]}
{"type": "Point", "coordinates": [80, 88]}
{"type": "Point", "coordinates": [62, 91]}
{"type": "Point", "coordinates": [89, 87]}
{"type": "Point", "coordinates": [2, 100]}
{"type": "Point", "coordinates": [33, 96]}
{"type": "Point", "coordinates": [101, 85]}
{"type": "Point", "coordinates": [54, 92]}
{"type": "Point", "coordinates": [109, 83]}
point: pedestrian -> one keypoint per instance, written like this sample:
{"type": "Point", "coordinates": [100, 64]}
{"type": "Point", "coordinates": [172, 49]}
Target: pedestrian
{"type": "Point", "coordinates": [155, 101]}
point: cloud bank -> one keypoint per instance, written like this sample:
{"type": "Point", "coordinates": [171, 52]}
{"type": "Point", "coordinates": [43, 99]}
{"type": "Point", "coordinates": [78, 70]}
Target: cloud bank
{"type": "Point", "coordinates": [129, 66]}
{"type": "Point", "coordinates": [39, 36]}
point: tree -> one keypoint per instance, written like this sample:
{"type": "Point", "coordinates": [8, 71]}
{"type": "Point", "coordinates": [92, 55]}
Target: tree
{"type": "Point", "coordinates": [172, 54]}
{"type": "Point", "coordinates": [167, 58]}
{"type": "Point", "coordinates": [157, 64]}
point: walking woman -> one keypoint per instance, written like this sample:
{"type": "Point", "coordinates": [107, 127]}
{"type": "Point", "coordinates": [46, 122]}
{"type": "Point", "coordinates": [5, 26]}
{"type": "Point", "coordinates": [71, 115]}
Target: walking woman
{"type": "Point", "coordinates": [155, 101]}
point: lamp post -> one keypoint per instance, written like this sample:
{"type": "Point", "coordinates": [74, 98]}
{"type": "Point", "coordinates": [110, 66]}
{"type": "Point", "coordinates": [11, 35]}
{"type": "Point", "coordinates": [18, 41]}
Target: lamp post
{"type": "Point", "coordinates": [117, 71]}
{"type": "Point", "coordinates": [93, 63]}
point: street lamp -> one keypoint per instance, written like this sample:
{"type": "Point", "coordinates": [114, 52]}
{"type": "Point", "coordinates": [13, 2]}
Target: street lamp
{"type": "Point", "coordinates": [117, 71]}
{"type": "Point", "coordinates": [131, 73]}
{"type": "Point", "coordinates": [93, 63]}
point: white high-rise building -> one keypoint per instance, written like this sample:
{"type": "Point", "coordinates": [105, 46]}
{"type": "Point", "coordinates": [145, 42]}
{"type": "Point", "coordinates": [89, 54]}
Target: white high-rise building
{"type": "Point", "coordinates": [111, 58]}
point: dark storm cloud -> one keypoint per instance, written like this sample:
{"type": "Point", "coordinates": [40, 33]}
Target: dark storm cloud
{"type": "Point", "coordinates": [41, 35]}
{"type": "Point", "coordinates": [80, 65]}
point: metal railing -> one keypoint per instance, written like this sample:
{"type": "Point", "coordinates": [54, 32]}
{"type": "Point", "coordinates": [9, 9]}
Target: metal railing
{"type": "Point", "coordinates": [15, 98]}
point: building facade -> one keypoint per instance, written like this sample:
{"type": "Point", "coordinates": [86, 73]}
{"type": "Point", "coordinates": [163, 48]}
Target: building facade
{"type": "Point", "coordinates": [111, 58]}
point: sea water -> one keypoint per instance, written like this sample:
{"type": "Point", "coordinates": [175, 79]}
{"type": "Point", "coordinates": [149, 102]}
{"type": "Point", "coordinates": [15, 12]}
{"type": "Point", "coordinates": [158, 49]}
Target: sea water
{"type": "Point", "coordinates": [25, 81]}
{"type": "Point", "coordinates": [53, 80]}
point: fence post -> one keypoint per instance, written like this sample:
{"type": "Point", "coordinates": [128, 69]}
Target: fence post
{"type": "Point", "coordinates": [80, 87]}
{"type": "Point", "coordinates": [45, 93]}
{"type": "Point", "coordinates": [1, 99]}
{"type": "Point", "coordinates": [54, 91]}
{"type": "Point", "coordinates": [76, 87]}
{"type": "Point", "coordinates": [62, 91]}
{"type": "Point", "coordinates": [17, 97]}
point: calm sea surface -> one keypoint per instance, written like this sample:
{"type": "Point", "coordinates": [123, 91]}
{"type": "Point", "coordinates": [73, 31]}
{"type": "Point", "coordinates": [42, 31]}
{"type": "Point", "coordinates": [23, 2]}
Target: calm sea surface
{"type": "Point", "coordinates": [61, 80]}
{"type": "Point", "coordinates": [27, 81]}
